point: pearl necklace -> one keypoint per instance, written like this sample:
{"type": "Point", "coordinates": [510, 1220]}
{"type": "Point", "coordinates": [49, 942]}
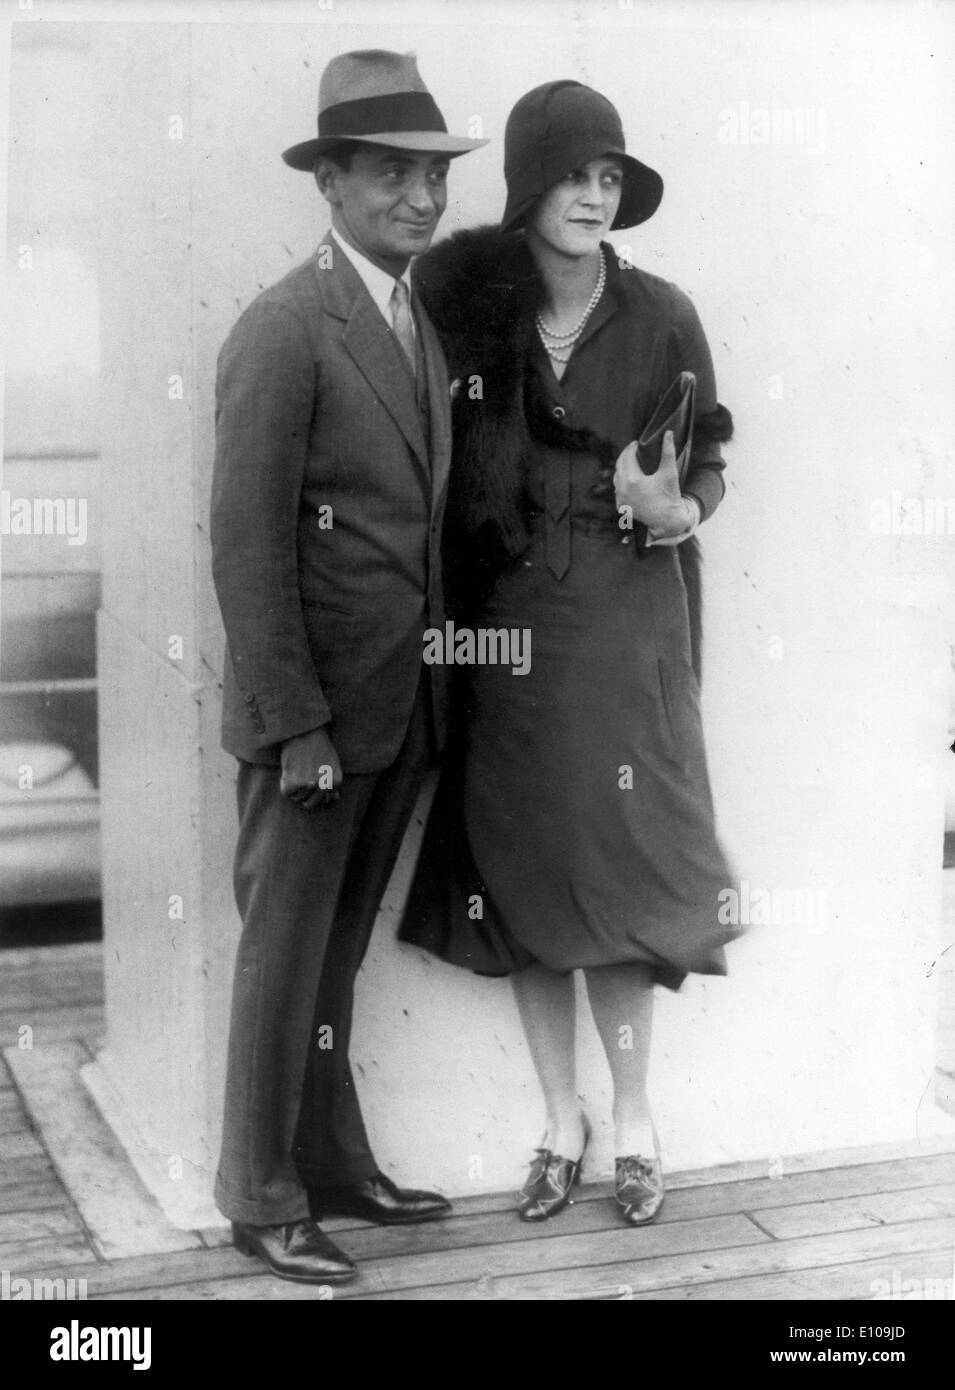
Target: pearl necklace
{"type": "Point", "coordinates": [561, 345]}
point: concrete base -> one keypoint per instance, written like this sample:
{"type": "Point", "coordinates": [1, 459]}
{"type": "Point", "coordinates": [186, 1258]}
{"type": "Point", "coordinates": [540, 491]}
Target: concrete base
{"type": "Point", "coordinates": [119, 1210]}
{"type": "Point", "coordinates": [181, 1189]}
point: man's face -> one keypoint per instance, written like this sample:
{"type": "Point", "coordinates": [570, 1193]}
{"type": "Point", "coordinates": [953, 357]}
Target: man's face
{"type": "Point", "coordinates": [388, 203]}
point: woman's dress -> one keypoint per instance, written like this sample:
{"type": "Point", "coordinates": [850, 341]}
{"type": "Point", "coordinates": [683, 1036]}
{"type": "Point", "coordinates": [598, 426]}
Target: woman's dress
{"type": "Point", "coordinates": [577, 812]}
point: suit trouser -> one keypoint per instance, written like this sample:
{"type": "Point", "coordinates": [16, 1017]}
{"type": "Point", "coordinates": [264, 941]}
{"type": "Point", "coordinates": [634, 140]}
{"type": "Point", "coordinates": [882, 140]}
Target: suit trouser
{"type": "Point", "coordinates": [308, 885]}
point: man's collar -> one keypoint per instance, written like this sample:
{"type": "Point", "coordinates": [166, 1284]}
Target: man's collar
{"type": "Point", "coordinates": [379, 284]}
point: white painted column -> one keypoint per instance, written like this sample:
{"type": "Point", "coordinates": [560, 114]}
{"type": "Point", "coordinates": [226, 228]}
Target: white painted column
{"type": "Point", "coordinates": [826, 668]}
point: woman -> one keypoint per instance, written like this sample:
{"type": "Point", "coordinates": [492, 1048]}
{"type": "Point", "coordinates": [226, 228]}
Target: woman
{"type": "Point", "coordinates": [576, 809]}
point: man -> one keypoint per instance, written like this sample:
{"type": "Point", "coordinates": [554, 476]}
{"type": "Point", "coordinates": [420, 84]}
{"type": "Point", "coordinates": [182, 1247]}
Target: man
{"type": "Point", "coordinates": [332, 455]}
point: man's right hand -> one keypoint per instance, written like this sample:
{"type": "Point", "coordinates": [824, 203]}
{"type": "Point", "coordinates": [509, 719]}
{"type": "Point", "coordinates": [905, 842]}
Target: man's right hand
{"type": "Point", "coordinates": [311, 771]}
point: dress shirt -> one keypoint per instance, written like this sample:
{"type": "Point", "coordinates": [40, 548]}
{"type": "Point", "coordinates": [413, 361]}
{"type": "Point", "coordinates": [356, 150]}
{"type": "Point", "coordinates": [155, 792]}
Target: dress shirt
{"type": "Point", "coordinates": [379, 284]}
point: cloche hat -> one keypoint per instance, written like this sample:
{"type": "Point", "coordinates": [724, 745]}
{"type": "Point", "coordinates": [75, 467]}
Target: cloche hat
{"type": "Point", "coordinates": [561, 126]}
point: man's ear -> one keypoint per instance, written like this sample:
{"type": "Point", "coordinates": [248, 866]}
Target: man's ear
{"type": "Point", "coordinates": [326, 178]}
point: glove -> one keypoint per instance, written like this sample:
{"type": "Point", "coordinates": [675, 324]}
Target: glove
{"type": "Point", "coordinates": [654, 499]}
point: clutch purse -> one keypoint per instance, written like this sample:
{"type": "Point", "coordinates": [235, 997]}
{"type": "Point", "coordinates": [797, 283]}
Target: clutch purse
{"type": "Point", "coordinates": [674, 412]}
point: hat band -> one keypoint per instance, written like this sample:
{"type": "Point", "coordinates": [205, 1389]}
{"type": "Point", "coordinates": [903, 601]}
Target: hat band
{"type": "Point", "coordinates": [373, 115]}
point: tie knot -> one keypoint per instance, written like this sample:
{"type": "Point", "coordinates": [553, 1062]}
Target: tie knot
{"type": "Point", "coordinates": [400, 294]}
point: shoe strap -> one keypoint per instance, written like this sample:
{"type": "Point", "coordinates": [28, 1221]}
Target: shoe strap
{"type": "Point", "coordinates": [633, 1166]}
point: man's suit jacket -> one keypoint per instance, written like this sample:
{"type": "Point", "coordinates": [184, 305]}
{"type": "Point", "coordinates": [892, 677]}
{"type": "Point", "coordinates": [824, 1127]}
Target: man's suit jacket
{"type": "Point", "coordinates": [327, 502]}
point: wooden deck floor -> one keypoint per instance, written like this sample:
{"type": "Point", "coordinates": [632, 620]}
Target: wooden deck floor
{"type": "Point", "coordinates": [828, 1231]}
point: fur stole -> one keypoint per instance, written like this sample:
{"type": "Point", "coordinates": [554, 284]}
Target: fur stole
{"type": "Point", "coordinates": [481, 289]}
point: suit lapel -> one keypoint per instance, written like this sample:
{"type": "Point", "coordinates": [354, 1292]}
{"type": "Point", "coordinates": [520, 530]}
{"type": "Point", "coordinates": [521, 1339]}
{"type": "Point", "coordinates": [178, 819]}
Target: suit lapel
{"type": "Point", "coordinates": [372, 347]}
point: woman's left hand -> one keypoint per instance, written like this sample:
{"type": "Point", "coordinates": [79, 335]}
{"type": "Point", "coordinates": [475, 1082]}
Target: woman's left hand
{"type": "Point", "coordinates": [653, 498]}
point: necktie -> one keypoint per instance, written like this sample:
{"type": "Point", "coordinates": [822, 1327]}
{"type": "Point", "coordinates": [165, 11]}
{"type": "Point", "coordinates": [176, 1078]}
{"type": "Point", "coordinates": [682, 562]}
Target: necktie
{"type": "Point", "coordinates": [401, 320]}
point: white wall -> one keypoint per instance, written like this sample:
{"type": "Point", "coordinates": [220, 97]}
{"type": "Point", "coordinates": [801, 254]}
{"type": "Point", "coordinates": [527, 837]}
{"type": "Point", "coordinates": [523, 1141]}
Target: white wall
{"type": "Point", "coordinates": [819, 274]}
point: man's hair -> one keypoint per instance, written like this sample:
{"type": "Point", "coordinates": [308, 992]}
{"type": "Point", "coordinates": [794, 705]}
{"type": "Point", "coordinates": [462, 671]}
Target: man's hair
{"type": "Point", "coordinates": [340, 155]}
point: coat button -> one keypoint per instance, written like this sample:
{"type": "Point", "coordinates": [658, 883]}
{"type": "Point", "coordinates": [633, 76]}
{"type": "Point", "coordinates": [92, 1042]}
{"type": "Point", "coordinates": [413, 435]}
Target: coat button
{"type": "Point", "coordinates": [558, 412]}
{"type": "Point", "coordinates": [249, 699]}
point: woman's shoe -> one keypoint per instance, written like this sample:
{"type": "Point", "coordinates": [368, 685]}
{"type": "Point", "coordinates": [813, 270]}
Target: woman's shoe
{"type": "Point", "coordinates": [549, 1183]}
{"type": "Point", "coordinates": [638, 1189]}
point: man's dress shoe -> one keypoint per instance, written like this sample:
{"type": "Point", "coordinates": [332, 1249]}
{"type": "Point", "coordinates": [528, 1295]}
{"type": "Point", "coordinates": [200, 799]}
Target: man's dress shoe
{"type": "Point", "coordinates": [378, 1199]}
{"type": "Point", "coordinates": [298, 1250]}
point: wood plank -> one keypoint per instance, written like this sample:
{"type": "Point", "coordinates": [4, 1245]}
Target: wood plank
{"type": "Point", "coordinates": [47, 986]}
{"type": "Point", "coordinates": [600, 1214]}
{"type": "Point", "coordinates": [52, 1026]}
{"type": "Point", "coordinates": [78, 955]}
{"type": "Point", "coordinates": [517, 1259]}
{"type": "Point", "coordinates": [38, 1225]}
{"type": "Point", "coordinates": [864, 1280]}
{"type": "Point", "coordinates": [77, 993]}
{"type": "Point", "coordinates": [25, 1170]}
{"type": "Point", "coordinates": [34, 1196]}
{"type": "Point", "coordinates": [202, 1265]}
{"type": "Point", "coordinates": [846, 1214]}
{"type": "Point", "coordinates": [226, 1274]}
{"type": "Point", "coordinates": [853, 1281]}
{"type": "Point", "coordinates": [367, 1242]}
{"type": "Point", "coordinates": [19, 1146]}
{"type": "Point", "coordinates": [11, 1110]}
{"type": "Point", "coordinates": [15, 1122]}
{"type": "Point", "coordinates": [597, 1213]}
{"type": "Point", "coordinates": [677, 1271]}
{"type": "Point", "coordinates": [34, 1255]}
{"type": "Point", "coordinates": [17, 999]}
{"type": "Point", "coordinates": [124, 1277]}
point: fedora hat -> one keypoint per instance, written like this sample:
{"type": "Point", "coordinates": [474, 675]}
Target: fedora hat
{"type": "Point", "coordinates": [379, 98]}
{"type": "Point", "coordinates": [561, 126]}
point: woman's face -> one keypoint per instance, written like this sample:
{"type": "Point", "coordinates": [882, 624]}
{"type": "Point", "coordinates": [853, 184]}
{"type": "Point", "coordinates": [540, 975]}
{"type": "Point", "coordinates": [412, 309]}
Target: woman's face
{"type": "Point", "coordinates": [574, 215]}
